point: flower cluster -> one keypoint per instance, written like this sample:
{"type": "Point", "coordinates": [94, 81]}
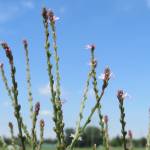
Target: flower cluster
{"type": "Point", "coordinates": [8, 52]}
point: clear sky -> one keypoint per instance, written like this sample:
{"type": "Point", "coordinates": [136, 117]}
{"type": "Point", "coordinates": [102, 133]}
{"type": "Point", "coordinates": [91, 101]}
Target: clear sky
{"type": "Point", "coordinates": [120, 29]}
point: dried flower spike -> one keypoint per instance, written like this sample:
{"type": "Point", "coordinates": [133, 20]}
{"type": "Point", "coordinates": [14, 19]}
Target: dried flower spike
{"type": "Point", "coordinates": [10, 125]}
{"type": "Point", "coordinates": [44, 14]}
{"type": "Point", "coordinates": [121, 95]}
{"type": "Point", "coordinates": [8, 52]}
{"type": "Point", "coordinates": [37, 108]}
{"type": "Point", "coordinates": [51, 16]}
{"type": "Point", "coordinates": [90, 46]}
{"type": "Point", "coordinates": [42, 123]}
{"type": "Point", "coordinates": [1, 65]}
{"type": "Point", "coordinates": [130, 133]}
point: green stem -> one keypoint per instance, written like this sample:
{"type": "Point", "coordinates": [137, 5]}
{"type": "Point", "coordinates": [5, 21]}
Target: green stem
{"type": "Point", "coordinates": [28, 78]}
{"type": "Point", "coordinates": [96, 91]}
{"type": "Point", "coordinates": [88, 120]}
{"type": "Point", "coordinates": [58, 92]}
{"type": "Point", "coordinates": [17, 106]}
{"type": "Point", "coordinates": [82, 106]}
{"type": "Point", "coordinates": [123, 123]}
{"type": "Point", "coordinates": [51, 79]}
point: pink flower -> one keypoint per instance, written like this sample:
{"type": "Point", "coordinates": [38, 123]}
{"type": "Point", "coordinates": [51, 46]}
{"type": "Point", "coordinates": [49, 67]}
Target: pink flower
{"type": "Point", "coordinates": [55, 18]}
{"type": "Point", "coordinates": [90, 46]}
{"type": "Point", "coordinates": [105, 119]}
{"type": "Point", "coordinates": [106, 75]}
{"type": "Point", "coordinates": [1, 65]}
{"type": "Point", "coordinates": [51, 16]}
{"type": "Point", "coordinates": [130, 133]}
{"type": "Point", "coordinates": [42, 123]}
{"type": "Point", "coordinates": [121, 95]}
{"type": "Point", "coordinates": [25, 43]}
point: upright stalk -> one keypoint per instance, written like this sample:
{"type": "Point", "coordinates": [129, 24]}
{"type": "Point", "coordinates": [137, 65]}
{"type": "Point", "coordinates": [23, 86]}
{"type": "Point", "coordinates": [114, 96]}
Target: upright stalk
{"type": "Point", "coordinates": [12, 135]}
{"type": "Point", "coordinates": [52, 20]}
{"type": "Point", "coordinates": [121, 97]}
{"type": "Point", "coordinates": [17, 107]}
{"type": "Point", "coordinates": [96, 91]}
{"type": "Point", "coordinates": [98, 98]}
{"type": "Point", "coordinates": [28, 78]}
{"type": "Point", "coordinates": [57, 128]}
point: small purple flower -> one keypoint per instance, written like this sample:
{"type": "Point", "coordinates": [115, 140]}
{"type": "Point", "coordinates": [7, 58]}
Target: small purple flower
{"type": "Point", "coordinates": [44, 14]}
{"type": "Point", "coordinates": [25, 43]}
{"type": "Point", "coordinates": [90, 46]}
{"type": "Point", "coordinates": [106, 75]}
{"type": "Point", "coordinates": [8, 52]}
{"type": "Point", "coordinates": [37, 108]}
{"type": "Point", "coordinates": [130, 133]}
{"type": "Point", "coordinates": [42, 123]}
{"type": "Point", "coordinates": [10, 125]}
{"type": "Point", "coordinates": [106, 119]}
{"type": "Point", "coordinates": [51, 16]}
{"type": "Point", "coordinates": [121, 95]}
{"type": "Point", "coordinates": [1, 65]}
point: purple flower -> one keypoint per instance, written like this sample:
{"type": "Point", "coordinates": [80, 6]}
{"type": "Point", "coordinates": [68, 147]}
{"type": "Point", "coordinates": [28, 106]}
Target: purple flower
{"type": "Point", "coordinates": [42, 123]}
{"type": "Point", "coordinates": [37, 108]}
{"type": "Point", "coordinates": [121, 95]}
{"type": "Point", "coordinates": [25, 43]}
{"type": "Point", "coordinates": [90, 46]}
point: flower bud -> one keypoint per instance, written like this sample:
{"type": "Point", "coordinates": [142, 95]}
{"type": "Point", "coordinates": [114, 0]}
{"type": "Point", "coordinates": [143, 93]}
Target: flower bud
{"type": "Point", "coordinates": [42, 123]}
{"type": "Point", "coordinates": [37, 108]}
{"type": "Point", "coordinates": [25, 43]}
{"type": "Point", "coordinates": [10, 125]}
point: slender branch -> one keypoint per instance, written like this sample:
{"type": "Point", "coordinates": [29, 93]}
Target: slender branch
{"type": "Point", "coordinates": [51, 78]}
{"type": "Point", "coordinates": [17, 107]}
{"type": "Point", "coordinates": [28, 78]}
{"type": "Point", "coordinates": [58, 92]}
{"type": "Point", "coordinates": [82, 106]}
{"type": "Point", "coordinates": [121, 97]}
{"type": "Point", "coordinates": [42, 124]}
{"type": "Point", "coordinates": [12, 135]}
{"type": "Point", "coordinates": [8, 89]}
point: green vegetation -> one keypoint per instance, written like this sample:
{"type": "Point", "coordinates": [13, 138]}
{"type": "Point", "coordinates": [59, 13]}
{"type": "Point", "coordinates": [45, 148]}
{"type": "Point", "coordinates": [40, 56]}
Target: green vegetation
{"type": "Point", "coordinates": [47, 147]}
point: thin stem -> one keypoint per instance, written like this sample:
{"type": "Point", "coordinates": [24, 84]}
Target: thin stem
{"type": "Point", "coordinates": [17, 107]}
{"type": "Point", "coordinates": [8, 89]}
{"type": "Point", "coordinates": [12, 135]}
{"type": "Point", "coordinates": [28, 78]}
{"type": "Point", "coordinates": [6, 84]}
{"type": "Point", "coordinates": [96, 91]}
{"type": "Point", "coordinates": [41, 134]}
{"type": "Point", "coordinates": [123, 123]}
{"type": "Point", "coordinates": [58, 92]}
{"type": "Point", "coordinates": [82, 106]}
{"type": "Point", "coordinates": [88, 120]}
{"type": "Point", "coordinates": [51, 78]}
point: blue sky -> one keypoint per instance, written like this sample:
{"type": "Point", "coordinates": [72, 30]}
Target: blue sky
{"type": "Point", "coordinates": [120, 31]}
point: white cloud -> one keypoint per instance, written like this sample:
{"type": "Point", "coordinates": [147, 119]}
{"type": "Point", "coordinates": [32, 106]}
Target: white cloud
{"type": "Point", "coordinates": [9, 10]}
{"type": "Point", "coordinates": [46, 113]}
{"type": "Point", "coordinates": [91, 93]}
{"type": "Point", "coordinates": [62, 10]}
{"type": "Point", "coordinates": [6, 104]}
{"type": "Point", "coordinates": [7, 13]}
{"type": "Point", "coordinates": [148, 3]}
{"type": "Point", "coordinates": [28, 4]}
{"type": "Point", "coordinates": [45, 91]}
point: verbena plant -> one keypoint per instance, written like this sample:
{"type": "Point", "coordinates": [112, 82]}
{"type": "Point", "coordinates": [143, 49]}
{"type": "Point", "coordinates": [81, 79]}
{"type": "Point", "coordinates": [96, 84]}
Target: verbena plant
{"type": "Point", "coordinates": [25, 135]}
